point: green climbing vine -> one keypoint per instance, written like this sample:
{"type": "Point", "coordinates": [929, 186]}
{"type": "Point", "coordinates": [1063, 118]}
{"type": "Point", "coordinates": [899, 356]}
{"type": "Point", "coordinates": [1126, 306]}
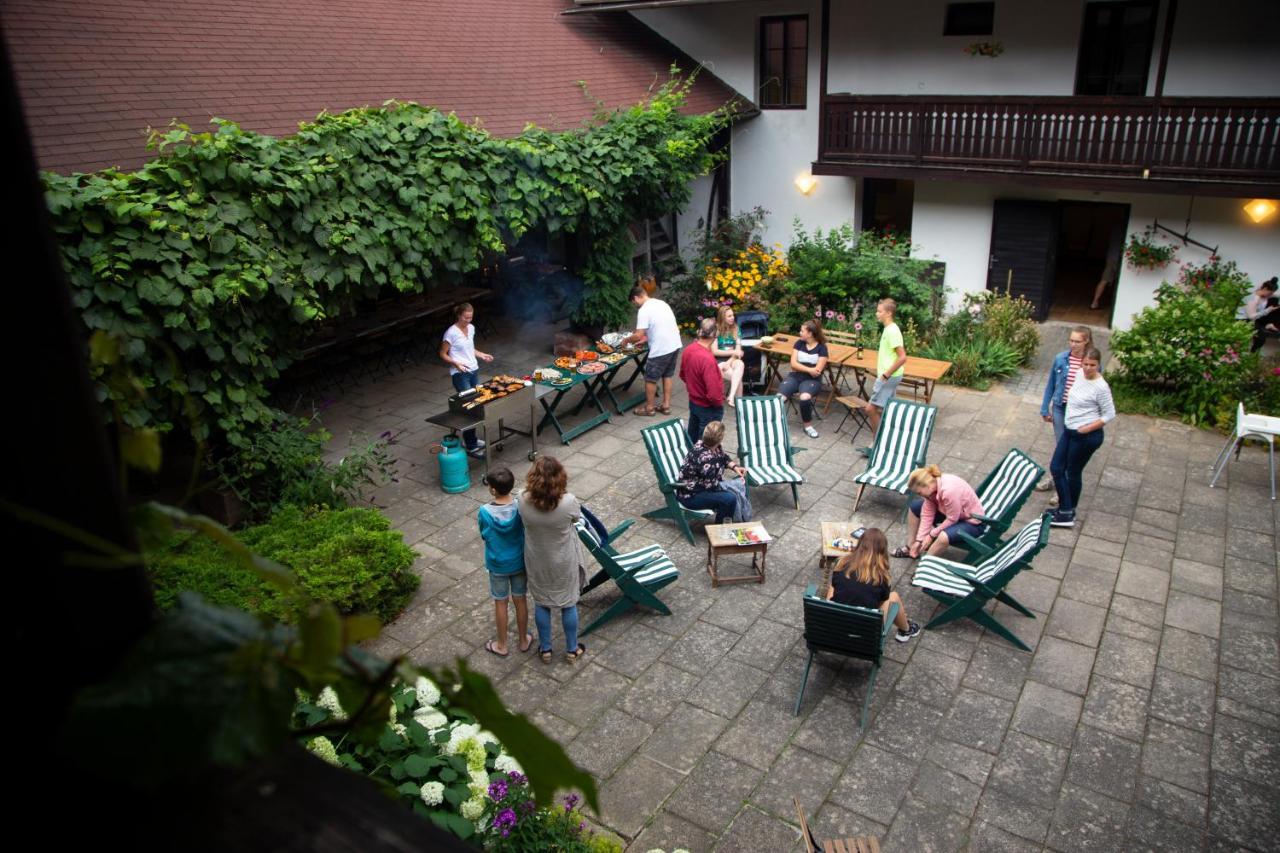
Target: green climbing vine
{"type": "Point", "coordinates": [211, 263]}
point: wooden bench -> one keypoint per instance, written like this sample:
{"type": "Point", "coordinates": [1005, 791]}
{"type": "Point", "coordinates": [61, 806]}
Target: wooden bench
{"type": "Point", "coordinates": [858, 844]}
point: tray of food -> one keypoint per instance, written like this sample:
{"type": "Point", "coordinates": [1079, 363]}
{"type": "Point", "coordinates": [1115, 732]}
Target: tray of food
{"type": "Point", "coordinates": [544, 374]}
{"type": "Point", "coordinates": [603, 348]}
{"type": "Point", "coordinates": [591, 368]}
{"type": "Point", "coordinates": [613, 358]}
{"type": "Point", "coordinates": [560, 382]}
{"type": "Point", "coordinates": [566, 363]}
{"type": "Point", "coordinates": [585, 355]}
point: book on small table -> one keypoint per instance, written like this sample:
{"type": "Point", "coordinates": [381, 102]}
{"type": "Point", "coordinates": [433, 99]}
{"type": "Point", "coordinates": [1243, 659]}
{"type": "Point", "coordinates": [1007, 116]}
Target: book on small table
{"type": "Point", "coordinates": [740, 535]}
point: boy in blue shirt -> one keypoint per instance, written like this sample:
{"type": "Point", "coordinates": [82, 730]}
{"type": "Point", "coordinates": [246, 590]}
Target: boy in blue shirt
{"type": "Point", "coordinates": [503, 535]}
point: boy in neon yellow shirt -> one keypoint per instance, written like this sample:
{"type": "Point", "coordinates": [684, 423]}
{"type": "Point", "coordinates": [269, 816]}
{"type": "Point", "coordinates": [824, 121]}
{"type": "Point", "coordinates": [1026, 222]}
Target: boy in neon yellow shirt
{"type": "Point", "coordinates": [889, 363]}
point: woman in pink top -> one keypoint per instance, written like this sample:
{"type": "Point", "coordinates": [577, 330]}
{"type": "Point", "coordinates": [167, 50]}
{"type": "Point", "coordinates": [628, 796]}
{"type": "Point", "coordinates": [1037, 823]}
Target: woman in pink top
{"type": "Point", "coordinates": [946, 506]}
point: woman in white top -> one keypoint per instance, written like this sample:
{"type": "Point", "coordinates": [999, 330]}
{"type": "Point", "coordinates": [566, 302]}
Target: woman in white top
{"type": "Point", "coordinates": [1089, 409]}
{"type": "Point", "coordinates": [458, 350]}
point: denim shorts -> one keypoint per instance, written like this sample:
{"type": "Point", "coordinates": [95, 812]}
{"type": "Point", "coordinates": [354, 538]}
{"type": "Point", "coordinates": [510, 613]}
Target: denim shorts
{"type": "Point", "coordinates": [882, 392]}
{"type": "Point", "coordinates": [503, 586]}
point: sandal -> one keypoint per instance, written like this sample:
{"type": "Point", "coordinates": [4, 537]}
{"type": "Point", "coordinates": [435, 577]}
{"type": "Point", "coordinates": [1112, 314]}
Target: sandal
{"type": "Point", "coordinates": [666, 410]}
{"type": "Point", "coordinates": [528, 642]}
{"type": "Point", "coordinates": [545, 655]}
{"type": "Point", "coordinates": [902, 552]}
{"type": "Point", "coordinates": [573, 656]}
{"type": "Point", "coordinates": [492, 648]}
{"type": "Point", "coordinates": [643, 412]}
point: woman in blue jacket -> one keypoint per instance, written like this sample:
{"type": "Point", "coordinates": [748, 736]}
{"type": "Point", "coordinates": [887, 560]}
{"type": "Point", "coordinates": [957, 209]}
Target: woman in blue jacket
{"type": "Point", "coordinates": [1065, 370]}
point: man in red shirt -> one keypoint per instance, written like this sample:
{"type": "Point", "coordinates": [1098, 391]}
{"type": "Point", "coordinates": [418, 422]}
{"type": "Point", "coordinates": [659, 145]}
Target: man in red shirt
{"type": "Point", "coordinates": [701, 375]}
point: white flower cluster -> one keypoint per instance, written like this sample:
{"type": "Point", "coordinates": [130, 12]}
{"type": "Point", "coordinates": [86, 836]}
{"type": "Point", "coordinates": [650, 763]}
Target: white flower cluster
{"type": "Point", "coordinates": [323, 749]}
{"type": "Point", "coordinates": [506, 764]}
{"type": "Point", "coordinates": [472, 809]}
{"type": "Point", "coordinates": [428, 693]}
{"type": "Point", "coordinates": [430, 719]}
{"type": "Point", "coordinates": [432, 793]}
{"type": "Point", "coordinates": [329, 701]}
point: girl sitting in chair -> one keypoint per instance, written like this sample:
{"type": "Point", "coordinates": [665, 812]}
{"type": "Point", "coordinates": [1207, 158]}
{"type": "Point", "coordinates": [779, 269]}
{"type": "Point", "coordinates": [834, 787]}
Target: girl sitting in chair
{"type": "Point", "coordinates": [944, 506]}
{"type": "Point", "coordinates": [861, 579]}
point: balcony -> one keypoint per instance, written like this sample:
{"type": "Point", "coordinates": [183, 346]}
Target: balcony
{"type": "Point", "coordinates": [1207, 146]}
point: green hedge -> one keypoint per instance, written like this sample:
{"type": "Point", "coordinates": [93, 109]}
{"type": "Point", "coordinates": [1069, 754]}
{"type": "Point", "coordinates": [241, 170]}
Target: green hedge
{"type": "Point", "coordinates": [350, 557]}
{"type": "Point", "coordinates": [211, 262]}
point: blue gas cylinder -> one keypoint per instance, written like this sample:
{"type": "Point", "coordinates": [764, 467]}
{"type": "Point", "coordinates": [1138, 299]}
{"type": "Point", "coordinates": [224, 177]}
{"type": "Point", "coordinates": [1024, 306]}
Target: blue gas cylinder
{"type": "Point", "coordinates": [454, 476]}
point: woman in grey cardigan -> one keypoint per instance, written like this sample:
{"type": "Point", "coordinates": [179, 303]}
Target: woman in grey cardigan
{"type": "Point", "coordinates": [552, 555]}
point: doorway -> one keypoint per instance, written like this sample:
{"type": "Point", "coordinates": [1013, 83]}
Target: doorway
{"type": "Point", "coordinates": [1090, 242]}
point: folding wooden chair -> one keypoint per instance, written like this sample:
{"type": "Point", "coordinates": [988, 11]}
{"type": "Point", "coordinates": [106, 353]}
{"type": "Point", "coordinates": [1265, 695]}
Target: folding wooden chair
{"type": "Point", "coordinates": [668, 445]}
{"type": "Point", "coordinates": [900, 447]}
{"type": "Point", "coordinates": [638, 575]}
{"type": "Point", "coordinates": [967, 589]}
{"type": "Point", "coordinates": [858, 844]}
{"type": "Point", "coordinates": [842, 629]}
{"type": "Point", "coordinates": [1002, 495]}
{"type": "Point", "coordinates": [764, 444]}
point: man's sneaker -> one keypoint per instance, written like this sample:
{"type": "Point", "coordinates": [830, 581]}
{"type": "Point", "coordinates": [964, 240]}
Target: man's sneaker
{"type": "Point", "coordinates": [811, 432]}
{"type": "Point", "coordinates": [1062, 519]}
{"type": "Point", "coordinates": [913, 628]}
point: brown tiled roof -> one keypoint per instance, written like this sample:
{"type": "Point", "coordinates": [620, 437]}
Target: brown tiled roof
{"type": "Point", "coordinates": [94, 74]}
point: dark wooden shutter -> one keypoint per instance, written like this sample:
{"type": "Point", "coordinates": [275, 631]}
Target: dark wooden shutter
{"type": "Point", "coordinates": [1024, 240]}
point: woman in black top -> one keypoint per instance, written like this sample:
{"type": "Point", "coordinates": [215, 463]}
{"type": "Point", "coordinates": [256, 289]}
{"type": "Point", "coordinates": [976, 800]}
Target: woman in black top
{"type": "Point", "coordinates": [861, 579]}
{"type": "Point", "coordinates": [808, 360]}
{"type": "Point", "coordinates": [702, 471]}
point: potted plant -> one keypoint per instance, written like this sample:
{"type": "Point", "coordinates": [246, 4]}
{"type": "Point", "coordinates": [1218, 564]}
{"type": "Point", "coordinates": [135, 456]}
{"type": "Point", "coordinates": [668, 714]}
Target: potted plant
{"type": "Point", "coordinates": [1142, 252]}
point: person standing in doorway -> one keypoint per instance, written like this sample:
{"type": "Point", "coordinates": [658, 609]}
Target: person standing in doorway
{"type": "Point", "coordinates": [1089, 409]}
{"type": "Point", "coordinates": [1111, 267]}
{"type": "Point", "coordinates": [458, 350]}
{"type": "Point", "coordinates": [656, 325]}
{"type": "Point", "coordinates": [890, 363]}
{"type": "Point", "coordinates": [702, 378]}
{"type": "Point", "coordinates": [1065, 369]}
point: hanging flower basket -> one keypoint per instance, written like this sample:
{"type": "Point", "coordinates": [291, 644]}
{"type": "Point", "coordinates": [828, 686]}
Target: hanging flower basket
{"type": "Point", "coordinates": [991, 49]}
{"type": "Point", "coordinates": [1142, 252]}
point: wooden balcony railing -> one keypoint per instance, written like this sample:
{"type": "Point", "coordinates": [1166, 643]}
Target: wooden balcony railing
{"type": "Point", "coordinates": [1234, 141]}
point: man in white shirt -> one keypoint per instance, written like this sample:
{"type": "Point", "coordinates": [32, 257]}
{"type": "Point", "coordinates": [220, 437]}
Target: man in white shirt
{"type": "Point", "coordinates": [656, 325]}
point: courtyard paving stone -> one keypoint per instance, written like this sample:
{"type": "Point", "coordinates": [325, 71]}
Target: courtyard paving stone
{"type": "Point", "coordinates": [1147, 715]}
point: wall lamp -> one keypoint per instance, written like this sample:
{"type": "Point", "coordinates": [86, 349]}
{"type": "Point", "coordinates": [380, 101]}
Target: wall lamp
{"type": "Point", "coordinates": [806, 184]}
{"type": "Point", "coordinates": [1260, 209]}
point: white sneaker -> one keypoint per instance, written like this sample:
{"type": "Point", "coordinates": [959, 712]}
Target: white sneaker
{"type": "Point", "coordinates": [811, 432]}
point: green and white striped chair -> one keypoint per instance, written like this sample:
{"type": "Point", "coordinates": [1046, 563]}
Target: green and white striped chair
{"type": "Point", "coordinates": [638, 575]}
{"type": "Point", "coordinates": [1002, 495]}
{"type": "Point", "coordinates": [900, 447]}
{"type": "Point", "coordinates": [764, 444]}
{"type": "Point", "coordinates": [967, 589]}
{"type": "Point", "coordinates": [668, 445]}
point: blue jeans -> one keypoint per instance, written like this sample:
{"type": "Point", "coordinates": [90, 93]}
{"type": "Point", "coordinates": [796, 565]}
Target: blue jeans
{"type": "Point", "coordinates": [804, 384]}
{"type": "Point", "coordinates": [1058, 411]}
{"type": "Point", "coordinates": [699, 417]}
{"type": "Point", "coordinates": [1069, 459]}
{"type": "Point", "coordinates": [723, 501]}
{"type": "Point", "coordinates": [977, 531]}
{"type": "Point", "coordinates": [461, 382]}
{"type": "Point", "coordinates": [568, 621]}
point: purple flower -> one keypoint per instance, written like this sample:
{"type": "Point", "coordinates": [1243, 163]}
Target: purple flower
{"type": "Point", "coordinates": [516, 777]}
{"type": "Point", "coordinates": [831, 315]}
{"type": "Point", "coordinates": [1207, 376]}
{"type": "Point", "coordinates": [857, 327]}
{"type": "Point", "coordinates": [840, 317]}
{"type": "Point", "coordinates": [505, 820]}
{"type": "Point", "coordinates": [571, 801]}
{"type": "Point", "coordinates": [527, 806]}
{"type": "Point", "coordinates": [818, 313]}
{"type": "Point", "coordinates": [497, 790]}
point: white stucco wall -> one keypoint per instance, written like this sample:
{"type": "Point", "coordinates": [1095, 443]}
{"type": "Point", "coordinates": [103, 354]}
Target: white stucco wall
{"type": "Point", "coordinates": [772, 149]}
{"type": "Point", "coordinates": [952, 221]}
{"type": "Point", "coordinates": [1220, 47]}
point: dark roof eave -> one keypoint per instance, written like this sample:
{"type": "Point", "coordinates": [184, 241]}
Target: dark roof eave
{"type": "Point", "coordinates": [627, 5]}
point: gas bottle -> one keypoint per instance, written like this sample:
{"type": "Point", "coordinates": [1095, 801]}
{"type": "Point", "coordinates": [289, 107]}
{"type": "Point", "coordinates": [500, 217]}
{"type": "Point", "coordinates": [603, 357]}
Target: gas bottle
{"type": "Point", "coordinates": [454, 476]}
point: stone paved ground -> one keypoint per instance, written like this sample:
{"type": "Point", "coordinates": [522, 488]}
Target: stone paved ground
{"type": "Point", "coordinates": [1146, 717]}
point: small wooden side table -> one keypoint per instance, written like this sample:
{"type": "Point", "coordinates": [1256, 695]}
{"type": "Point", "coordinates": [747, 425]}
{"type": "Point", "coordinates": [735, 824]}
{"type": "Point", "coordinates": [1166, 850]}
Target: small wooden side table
{"type": "Point", "coordinates": [720, 541]}
{"type": "Point", "coordinates": [830, 556]}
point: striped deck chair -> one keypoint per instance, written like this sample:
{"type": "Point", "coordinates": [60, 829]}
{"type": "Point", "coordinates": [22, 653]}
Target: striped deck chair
{"type": "Point", "coordinates": [764, 444]}
{"type": "Point", "coordinates": [1002, 495]}
{"type": "Point", "coordinates": [967, 589]}
{"type": "Point", "coordinates": [638, 575]}
{"type": "Point", "coordinates": [668, 445]}
{"type": "Point", "coordinates": [900, 446]}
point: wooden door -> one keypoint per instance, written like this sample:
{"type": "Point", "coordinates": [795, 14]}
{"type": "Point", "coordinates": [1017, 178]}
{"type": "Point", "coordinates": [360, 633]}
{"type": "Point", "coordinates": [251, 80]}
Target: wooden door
{"type": "Point", "coordinates": [1024, 242]}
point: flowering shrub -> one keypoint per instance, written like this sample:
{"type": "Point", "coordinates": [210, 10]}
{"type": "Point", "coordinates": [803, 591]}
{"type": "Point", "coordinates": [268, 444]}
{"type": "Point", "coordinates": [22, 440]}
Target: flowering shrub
{"type": "Point", "coordinates": [1007, 319]}
{"type": "Point", "coordinates": [736, 280]}
{"type": "Point", "coordinates": [1220, 282]}
{"type": "Point", "coordinates": [688, 294]}
{"type": "Point", "coordinates": [1142, 252]}
{"type": "Point", "coordinates": [443, 765]}
{"type": "Point", "coordinates": [1189, 348]}
{"type": "Point", "coordinates": [512, 822]}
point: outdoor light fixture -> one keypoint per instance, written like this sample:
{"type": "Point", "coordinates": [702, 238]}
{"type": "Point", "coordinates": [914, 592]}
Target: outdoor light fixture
{"type": "Point", "coordinates": [806, 184]}
{"type": "Point", "coordinates": [1260, 209]}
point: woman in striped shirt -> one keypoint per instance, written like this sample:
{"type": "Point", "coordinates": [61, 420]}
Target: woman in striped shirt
{"type": "Point", "coordinates": [1089, 409]}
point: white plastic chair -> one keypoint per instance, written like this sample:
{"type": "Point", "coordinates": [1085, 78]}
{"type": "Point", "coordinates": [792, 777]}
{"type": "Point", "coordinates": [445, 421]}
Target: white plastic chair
{"type": "Point", "coordinates": [1258, 426]}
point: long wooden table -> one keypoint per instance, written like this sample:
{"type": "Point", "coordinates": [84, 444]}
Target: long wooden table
{"type": "Point", "coordinates": [924, 372]}
{"type": "Point", "coordinates": [780, 350]}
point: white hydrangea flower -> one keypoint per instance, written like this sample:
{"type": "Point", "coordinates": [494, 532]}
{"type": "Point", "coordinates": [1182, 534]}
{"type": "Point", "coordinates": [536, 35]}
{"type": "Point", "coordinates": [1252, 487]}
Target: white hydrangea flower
{"type": "Point", "coordinates": [506, 764]}
{"type": "Point", "coordinates": [479, 779]}
{"type": "Point", "coordinates": [472, 809]}
{"type": "Point", "coordinates": [460, 736]}
{"type": "Point", "coordinates": [430, 719]}
{"type": "Point", "coordinates": [329, 701]}
{"type": "Point", "coordinates": [432, 793]}
{"type": "Point", "coordinates": [323, 748]}
{"type": "Point", "coordinates": [401, 730]}
{"type": "Point", "coordinates": [486, 736]}
{"type": "Point", "coordinates": [428, 693]}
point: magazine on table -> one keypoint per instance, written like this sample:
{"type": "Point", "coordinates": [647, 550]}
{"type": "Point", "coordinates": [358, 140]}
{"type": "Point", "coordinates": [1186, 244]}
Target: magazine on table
{"type": "Point", "coordinates": [755, 535]}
